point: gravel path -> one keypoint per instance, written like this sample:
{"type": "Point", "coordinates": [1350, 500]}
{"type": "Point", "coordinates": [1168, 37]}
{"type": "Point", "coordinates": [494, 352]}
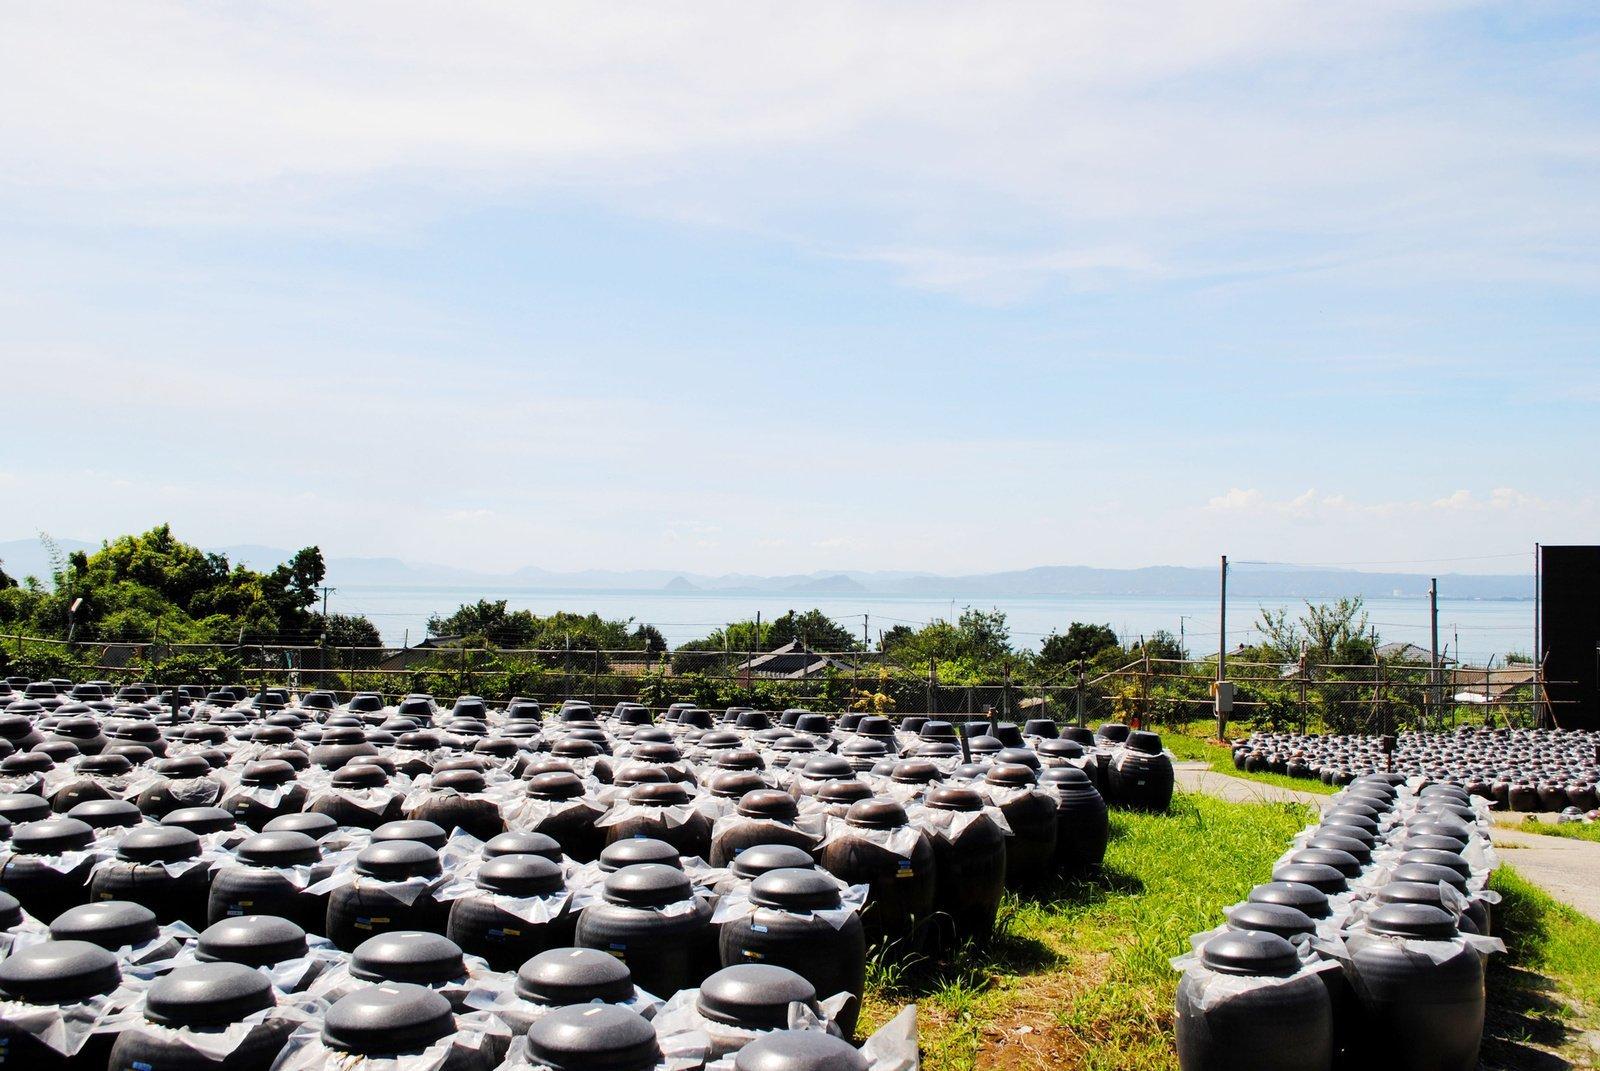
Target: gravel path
{"type": "Point", "coordinates": [1567, 869]}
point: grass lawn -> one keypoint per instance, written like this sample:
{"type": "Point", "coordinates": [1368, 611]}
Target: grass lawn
{"type": "Point", "coordinates": [1574, 830]}
{"type": "Point", "coordinates": [1192, 741]}
{"type": "Point", "coordinates": [1078, 976]}
{"type": "Point", "coordinates": [1544, 993]}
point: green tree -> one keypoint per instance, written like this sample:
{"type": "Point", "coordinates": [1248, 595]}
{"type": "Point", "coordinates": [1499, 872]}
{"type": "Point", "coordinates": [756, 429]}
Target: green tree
{"type": "Point", "coordinates": [487, 620]}
{"type": "Point", "coordinates": [139, 586]}
{"type": "Point", "coordinates": [1080, 644]}
{"type": "Point", "coordinates": [977, 641]}
{"type": "Point", "coordinates": [815, 629]}
{"type": "Point", "coordinates": [1336, 632]}
{"type": "Point", "coordinates": [894, 636]}
{"type": "Point", "coordinates": [1162, 644]}
{"type": "Point", "coordinates": [346, 630]}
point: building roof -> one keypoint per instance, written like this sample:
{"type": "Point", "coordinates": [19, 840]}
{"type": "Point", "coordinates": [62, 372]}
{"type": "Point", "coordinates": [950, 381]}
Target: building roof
{"type": "Point", "coordinates": [792, 661]}
{"type": "Point", "coordinates": [1408, 652]}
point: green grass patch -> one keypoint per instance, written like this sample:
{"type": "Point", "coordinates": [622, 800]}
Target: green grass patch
{"type": "Point", "coordinates": [1190, 742]}
{"type": "Point", "coordinates": [1570, 830]}
{"type": "Point", "coordinates": [1544, 993]}
{"type": "Point", "coordinates": [1078, 974]}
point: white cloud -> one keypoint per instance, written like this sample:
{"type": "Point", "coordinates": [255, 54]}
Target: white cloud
{"type": "Point", "coordinates": [988, 150]}
{"type": "Point", "coordinates": [1313, 504]}
{"type": "Point", "coordinates": [1237, 499]}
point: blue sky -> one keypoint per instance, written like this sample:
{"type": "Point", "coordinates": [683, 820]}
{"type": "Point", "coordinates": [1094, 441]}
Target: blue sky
{"type": "Point", "coordinates": [751, 287]}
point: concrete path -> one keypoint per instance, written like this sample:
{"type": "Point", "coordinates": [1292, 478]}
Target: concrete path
{"type": "Point", "coordinates": [1198, 777]}
{"type": "Point", "coordinates": [1567, 869]}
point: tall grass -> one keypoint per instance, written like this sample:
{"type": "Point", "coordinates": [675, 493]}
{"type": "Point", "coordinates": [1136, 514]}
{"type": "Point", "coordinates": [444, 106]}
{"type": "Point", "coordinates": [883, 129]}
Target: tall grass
{"type": "Point", "coordinates": [1570, 830]}
{"type": "Point", "coordinates": [1078, 972]}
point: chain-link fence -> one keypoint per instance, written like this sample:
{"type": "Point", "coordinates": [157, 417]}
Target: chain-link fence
{"type": "Point", "coordinates": [1382, 697]}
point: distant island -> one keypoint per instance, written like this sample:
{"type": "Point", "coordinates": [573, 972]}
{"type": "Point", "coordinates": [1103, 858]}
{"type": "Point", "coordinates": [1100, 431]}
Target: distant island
{"type": "Point", "coordinates": [25, 557]}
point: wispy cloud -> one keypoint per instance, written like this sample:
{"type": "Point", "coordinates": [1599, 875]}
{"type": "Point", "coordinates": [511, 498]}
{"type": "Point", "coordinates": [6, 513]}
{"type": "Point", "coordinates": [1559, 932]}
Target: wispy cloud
{"type": "Point", "coordinates": [989, 150]}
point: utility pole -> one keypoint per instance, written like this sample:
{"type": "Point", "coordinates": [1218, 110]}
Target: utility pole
{"type": "Point", "coordinates": [1433, 631]}
{"type": "Point", "coordinates": [322, 641]}
{"type": "Point", "coordinates": [1538, 642]}
{"type": "Point", "coordinates": [1224, 701]}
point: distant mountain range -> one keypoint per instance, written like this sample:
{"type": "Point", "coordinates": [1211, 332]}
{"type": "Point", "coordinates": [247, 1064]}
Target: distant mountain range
{"type": "Point", "coordinates": [25, 557]}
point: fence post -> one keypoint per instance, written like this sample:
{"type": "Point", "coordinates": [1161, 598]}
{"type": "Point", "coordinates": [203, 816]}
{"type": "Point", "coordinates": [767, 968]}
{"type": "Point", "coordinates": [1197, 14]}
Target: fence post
{"type": "Point", "coordinates": [1079, 690]}
{"type": "Point", "coordinates": [1304, 708]}
{"type": "Point", "coordinates": [594, 691]}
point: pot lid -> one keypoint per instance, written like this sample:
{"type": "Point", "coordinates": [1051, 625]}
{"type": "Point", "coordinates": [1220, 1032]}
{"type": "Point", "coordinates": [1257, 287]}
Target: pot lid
{"type": "Point", "coordinates": [201, 820]}
{"type": "Point", "coordinates": [396, 860]}
{"type": "Point", "coordinates": [1146, 743]}
{"type": "Point", "coordinates": [282, 848]}
{"type": "Point", "coordinates": [755, 996]}
{"type": "Point", "coordinates": [253, 940]}
{"type": "Point", "coordinates": [876, 813]}
{"type": "Point", "coordinates": [1280, 919]}
{"type": "Point", "coordinates": [594, 1037]}
{"type": "Point", "coordinates": [208, 995]}
{"type": "Point", "coordinates": [758, 859]}
{"type": "Point", "coordinates": [311, 824]}
{"type": "Point", "coordinates": [111, 924]}
{"type": "Point", "coordinates": [158, 844]}
{"type": "Point", "coordinates": [844, 790]}
{"type": "Point", "coordinates": [647, 885]}
{"type": "Point", "coordinates": [1306, 899]}
{"type": "Point", "coordinates": [769, 804]}
{"type": "Point", "coordinates": [388, 1019]}
{"type": "Point", "coordinates": [1342, 861]}
{"type": "Point", "coordinates": [10, 911]}
{"type": "Point", "coordinates": [734, 784]}
{"type": "Point", "coordinates": [1250, 952]}
{"type": "Point", "coordinates": [555, 785]}
{"type": "Point", "coordinates": [419, 830]}
{"type": "Point", "coordinates": [408, 956]}
{"type": "Point", "coordinates": [107, 814]}
{"type": "Point", "coordinates": [52, 836]}
{"type": "Point", "coordinates": [1317, 875]}
{"type": "Point", "coordinates": [58, 972]}
{"type": "Point", "coordinates": [1418, 921]}
{"type": "Point", "coordinates": [267, 772]}
{"type": "Point", "coordinates": [1431, 873]}
{"type": "Point", "coordinates": [562, 976]}
{"type": "Point", "coordinates": [799, 1050]}
{"type": "Point", "coordinates": [1435, 857]}
{"type": "Point", "coordinates": [525, 843]}
{"type": "Point", "coordinates": [665, 794]}
{"type": "Point", "coordinates": [627, 852]}
{"type": "Point", "coordinates": [462, 781]}
{"type": "Point", "coordinates": [366, 775]}
{"type": "Point", "coordinates": [795, 889]}
{"type": "Point", "coordinates": [520, 875]}
{"type": "Point", "coordinates": [952, 798]}
{"type": "Point", "coordinates": [1011, 775]}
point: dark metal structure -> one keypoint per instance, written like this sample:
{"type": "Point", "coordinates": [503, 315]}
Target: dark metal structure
{"type": "Point", "coordinates": [1569, 629]}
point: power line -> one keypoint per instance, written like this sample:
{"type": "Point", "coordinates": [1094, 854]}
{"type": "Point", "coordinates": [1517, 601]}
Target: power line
{"type": "Point", "coordinates": [1395, 561]}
